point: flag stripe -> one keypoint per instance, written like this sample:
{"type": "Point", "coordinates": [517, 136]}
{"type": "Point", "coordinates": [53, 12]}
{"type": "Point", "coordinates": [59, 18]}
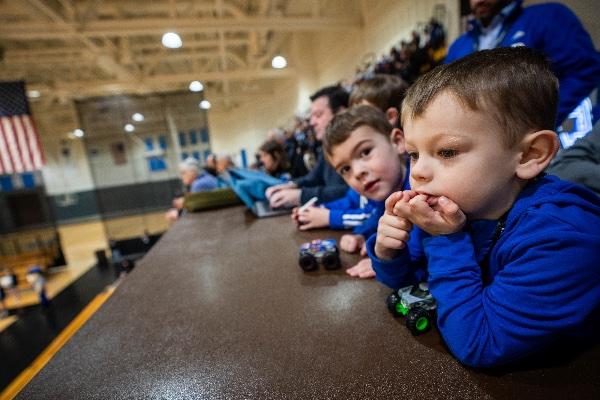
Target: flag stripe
{"type": "Point", "coordinates": [3, 167]}
{"type": "Point", "coordinates": [20, 147]}
{"type": "Point", "coordinates": [25, 155]}
{"type": "Point", "coordinates": [33, 143]}
{"type": "Point", "coordinates": [12, 144]}
{"type": "Point", "coordinates": [6, 157]}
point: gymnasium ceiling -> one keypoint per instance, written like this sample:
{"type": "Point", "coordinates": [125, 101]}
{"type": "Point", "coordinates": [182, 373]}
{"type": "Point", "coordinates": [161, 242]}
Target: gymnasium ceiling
{"type": "Point", "coordinates": [75, 49]}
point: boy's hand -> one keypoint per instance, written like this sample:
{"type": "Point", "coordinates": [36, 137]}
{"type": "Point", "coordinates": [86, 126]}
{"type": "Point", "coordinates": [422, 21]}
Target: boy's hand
{"type": "Point", "coordinates": [313, 217]}
{"type": "Point", "coordinates": [392, 230]}
{"type": "Point", "coordinates": [362, 269]}
{"type": "Point", "coordinates": [295, 214]}
{"type": "Point", "coordinates": [352, 243]}
{"type": "Point", "coordinates": [435, 215]}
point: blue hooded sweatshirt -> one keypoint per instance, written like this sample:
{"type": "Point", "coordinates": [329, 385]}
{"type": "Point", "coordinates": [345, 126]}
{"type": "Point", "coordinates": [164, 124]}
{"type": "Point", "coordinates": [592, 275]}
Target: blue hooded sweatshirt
{"type": "Point", "coordinates": [555, 31]}
{"type": "Point", "coordinates": [542, 280]}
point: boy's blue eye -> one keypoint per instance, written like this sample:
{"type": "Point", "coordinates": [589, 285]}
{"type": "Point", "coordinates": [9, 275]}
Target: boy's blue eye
{"type": "Point", "coordinates": [447, 153]}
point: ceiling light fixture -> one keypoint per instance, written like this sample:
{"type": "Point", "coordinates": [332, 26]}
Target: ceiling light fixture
{"type": "Point", "coordinates": [279, 62]}
{"type": "Point", "coordinates": [78, 133]}
{"type": "Point", "coordinates": [137, 117]}
{"type": "Point", "coordinates": [196, 86]}
{"type": "Point", "coordinates": [129, 128]}
{"type": "Point", "coordinates": [171, 40]}
{"type": "Point", "coordinates": [205, 104]}
{"type": "Point", "coordinates": [34, 94]}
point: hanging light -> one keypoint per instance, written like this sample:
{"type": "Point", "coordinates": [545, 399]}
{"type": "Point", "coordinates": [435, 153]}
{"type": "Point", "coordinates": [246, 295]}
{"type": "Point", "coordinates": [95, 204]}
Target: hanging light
{"type": "Point", "coordinates": [279, 62]}
{"type": "Point", "coordinates": [171, 40]}
{"type": "Point", "coordinates": [137, 117]}
{"type": "Point", "coordinates": [34, 94]}
{"type": "Point", "coordinates": [78, 133]}
{"type": "Point", "coordinates": [129, 128]}
{"type": "Point", "coordinates": [196, 86]}
{"type": "Point", "coordinates": [205, 105]}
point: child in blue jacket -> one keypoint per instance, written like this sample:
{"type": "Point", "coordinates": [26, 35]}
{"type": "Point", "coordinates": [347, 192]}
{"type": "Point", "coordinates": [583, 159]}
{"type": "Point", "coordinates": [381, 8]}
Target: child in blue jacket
{"type": "Point", "coordinates": [510, 254]}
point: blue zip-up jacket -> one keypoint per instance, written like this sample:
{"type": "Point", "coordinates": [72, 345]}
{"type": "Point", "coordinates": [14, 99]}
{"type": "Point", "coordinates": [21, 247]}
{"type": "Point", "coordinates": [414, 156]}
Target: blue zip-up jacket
{"type": "Point", "coordinates": [322, 182]}
{"type": "Point", "coordinates": [542, 280]}
{"type": "Point", "coordinates": [353, 211]}
{"type": "Point", "coordinates": [555, 31]}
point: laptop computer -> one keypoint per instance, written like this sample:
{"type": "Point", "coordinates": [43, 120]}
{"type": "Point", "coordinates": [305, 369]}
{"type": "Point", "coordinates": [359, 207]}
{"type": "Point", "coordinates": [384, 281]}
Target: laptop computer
{"type": "Point", "coordinates": [260, 208]}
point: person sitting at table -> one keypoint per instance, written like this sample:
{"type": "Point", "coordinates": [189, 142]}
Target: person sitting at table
{"type": "Point", "coordinates": [273, 159]}
{"type": "Point", "coordinates": [510, 254]}
{"type": "Point", "coordinates": [322, 181]}
{"type": "Point", "coordinates": [194, 179]}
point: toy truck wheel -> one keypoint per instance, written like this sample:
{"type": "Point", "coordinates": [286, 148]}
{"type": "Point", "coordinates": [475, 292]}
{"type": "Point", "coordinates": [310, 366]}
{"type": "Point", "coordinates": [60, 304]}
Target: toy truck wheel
{"type": "Point", "coordinates": [331, 261]}
{"type": "Point", "coordinates": [392, 300]}
{"type": "Point", "coordinates": [418, 321]}
{"type": "Point", "coordinates": [307, 262]}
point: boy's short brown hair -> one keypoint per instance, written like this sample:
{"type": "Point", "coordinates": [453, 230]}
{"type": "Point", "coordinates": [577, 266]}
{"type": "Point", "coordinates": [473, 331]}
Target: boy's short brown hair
{"type": "Point", "coordinates": [383, 91]}
{"type": "Point", "coordinates": [515, 85]}
{"type": "Point", "coordinates": [346, 122]}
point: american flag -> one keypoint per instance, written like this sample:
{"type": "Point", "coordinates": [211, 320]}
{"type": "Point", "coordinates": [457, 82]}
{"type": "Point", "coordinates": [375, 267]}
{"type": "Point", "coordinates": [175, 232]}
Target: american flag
{"type": "Point", "coordinates": [20, 148]}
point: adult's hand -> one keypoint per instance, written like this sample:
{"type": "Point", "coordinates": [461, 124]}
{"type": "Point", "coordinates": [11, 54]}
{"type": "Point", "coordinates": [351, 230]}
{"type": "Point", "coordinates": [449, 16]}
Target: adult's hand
{"type": "Point", "coordinates": [285, 198]}
{"type": "Point", "coordinates": [276, 188]}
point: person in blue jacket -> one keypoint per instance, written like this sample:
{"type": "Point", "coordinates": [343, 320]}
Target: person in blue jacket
{"type": "Point", "coordinates": [510, 254]}
{"type": "Point", "coordinates": [551, 29]}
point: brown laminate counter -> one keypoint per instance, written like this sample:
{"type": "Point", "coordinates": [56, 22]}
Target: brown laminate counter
{"type": "Point", "coordinates": [219, 309]}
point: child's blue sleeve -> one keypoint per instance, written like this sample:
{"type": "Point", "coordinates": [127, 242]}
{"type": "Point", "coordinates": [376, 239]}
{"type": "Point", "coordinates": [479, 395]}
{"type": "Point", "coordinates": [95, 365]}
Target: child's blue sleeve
{"type": "Point", "coordinates": [544, 286]}
{"type": "Point", "coordinates": [408, 268]}
{"type": "Point", "coordinates": [369, 226]}
{"type": "Point", "coordinates": [347, 213]}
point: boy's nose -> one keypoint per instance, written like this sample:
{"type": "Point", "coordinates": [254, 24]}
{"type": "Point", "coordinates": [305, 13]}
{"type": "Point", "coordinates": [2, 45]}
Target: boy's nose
{"type": "Point", "coordinates": [420, 172]}
{"type": "Point", "coordinates": [359, 170]}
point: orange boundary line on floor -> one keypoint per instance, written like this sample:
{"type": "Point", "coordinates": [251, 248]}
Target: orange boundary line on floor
{"type": "Point", "coordinates": [40, 362]}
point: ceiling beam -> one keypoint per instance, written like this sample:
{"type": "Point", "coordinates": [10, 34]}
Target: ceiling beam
{"type": "Point", "coordinates": [157, 26]}
{"type": "Point", "coordinates": [104, 60]}
{"type": "Point", "coordinates": [156, 83]}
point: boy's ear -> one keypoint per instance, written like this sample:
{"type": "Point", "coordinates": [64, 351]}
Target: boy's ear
{"type": "Point", "coordinates": [397, 137]}
{"type": "Point", "coordinates": [392, 116]}
{"type": "Point", "coordinates": [537, 150]}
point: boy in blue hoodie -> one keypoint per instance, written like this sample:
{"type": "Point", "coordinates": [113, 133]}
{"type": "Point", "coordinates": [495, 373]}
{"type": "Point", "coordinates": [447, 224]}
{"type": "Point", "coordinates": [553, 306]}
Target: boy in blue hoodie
{"type": "Point", "coordinates": [510, 254]}
{"type": "Point", "coordinates": [356, 211]}
{"type": "Point", "coordinates": [361, 145]}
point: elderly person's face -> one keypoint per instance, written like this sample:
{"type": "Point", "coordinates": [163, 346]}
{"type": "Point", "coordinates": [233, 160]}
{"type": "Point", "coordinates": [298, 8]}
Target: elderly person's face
{"type": "Point", "coordinates": [187, 175]}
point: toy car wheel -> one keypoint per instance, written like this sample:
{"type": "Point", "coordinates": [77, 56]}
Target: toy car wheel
{"type": "Point", "coordinates": [418, 321]}
{"type": "Point", "coordinates": [392, 300]}
{"type": "Point", "coordinates": [331, 261]}
{"type": "Point", "coordinates": [307, 262]}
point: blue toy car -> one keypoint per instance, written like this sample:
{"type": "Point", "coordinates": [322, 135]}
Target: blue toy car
{"type": "Point", "coordinates": [415, 303]}
{"type": "Point", "coordinates": [319, 251]}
